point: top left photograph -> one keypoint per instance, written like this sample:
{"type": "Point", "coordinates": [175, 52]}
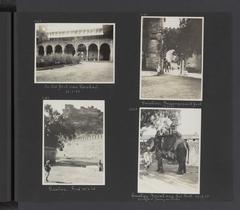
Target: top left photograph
{"type": "Point", "coordinates": [81, 53]}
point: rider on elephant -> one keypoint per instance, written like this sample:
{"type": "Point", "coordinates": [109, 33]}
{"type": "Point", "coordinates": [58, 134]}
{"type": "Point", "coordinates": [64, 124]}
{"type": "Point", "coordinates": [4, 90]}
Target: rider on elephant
{"type": "Point", "coordinates": [158, 144]}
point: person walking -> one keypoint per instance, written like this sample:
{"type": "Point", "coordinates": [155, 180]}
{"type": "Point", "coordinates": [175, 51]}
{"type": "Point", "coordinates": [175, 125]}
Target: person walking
{"type": "Point", "coordinates": [47, 168]}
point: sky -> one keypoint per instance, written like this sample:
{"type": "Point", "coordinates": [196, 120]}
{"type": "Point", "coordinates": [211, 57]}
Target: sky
{"type": "Point", "coordinates": [190, 123]}
{"type": "Point", "coordinates": [60, 104]}
{"type": "Point", "coordinates": [53, 27]}
{"type": "Point", "coordinates": [172, 22]}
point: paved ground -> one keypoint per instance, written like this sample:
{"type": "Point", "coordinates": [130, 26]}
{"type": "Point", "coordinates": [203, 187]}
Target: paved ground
{"type": "Point", "coordinates": [173, 72]}
{"type": "Point", "coordinates": [150, 181]}
{"type": "Point", "coordinates": [77, 164]}
{"type": "Point", "coordinates": [75, 175]}
{"type": "Point", "coordinates": [170, 87]}
{"type": "Point", "coordinates": [88, 72]}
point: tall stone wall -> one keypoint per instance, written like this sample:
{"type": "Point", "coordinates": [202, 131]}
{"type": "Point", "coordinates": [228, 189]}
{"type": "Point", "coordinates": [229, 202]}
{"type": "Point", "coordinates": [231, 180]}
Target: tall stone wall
{"type": "Point", "coordinates": [151, 43]}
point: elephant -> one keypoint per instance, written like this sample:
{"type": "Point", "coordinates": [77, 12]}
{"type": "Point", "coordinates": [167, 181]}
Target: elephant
{"type": "Point", "coordinates": [170, 146]}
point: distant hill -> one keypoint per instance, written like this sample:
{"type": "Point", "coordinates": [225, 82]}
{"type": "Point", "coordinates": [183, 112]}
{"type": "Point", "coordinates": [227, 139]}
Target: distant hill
{"type": "Point", "coordinates": [87, 120]}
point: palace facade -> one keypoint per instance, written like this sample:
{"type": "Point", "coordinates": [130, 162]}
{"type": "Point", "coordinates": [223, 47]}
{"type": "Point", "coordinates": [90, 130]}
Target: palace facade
{"type": "Point", "coordinates": [95, 44]}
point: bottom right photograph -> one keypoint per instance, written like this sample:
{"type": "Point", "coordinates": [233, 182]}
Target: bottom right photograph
{"type": "Point", "coordinates": [169, 150]}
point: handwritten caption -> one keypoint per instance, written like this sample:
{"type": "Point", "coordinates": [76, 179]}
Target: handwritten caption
{"type": "Point", "coordinates": [72, 88]}
{"type": "Point", "coordinates": [172, 104]}
{"type": "Point", "coordinates": [71, 188]}
{"type": "Point", "coordinates": [168, 197]}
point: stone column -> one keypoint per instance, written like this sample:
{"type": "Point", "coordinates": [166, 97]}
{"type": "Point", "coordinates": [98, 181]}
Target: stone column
{"type": "Point", "coordinates": [111, 52]}
{"type": "Point", "coordinates": [86, 53]}
{"type": "Point", "coordinates": [98, 51]}
{"type": "Point", "coordinates": [45, 50]}
{"type": "Point", "coordinates": [63, 49]}
{"type": "Point", "coordinates": [75, 48]}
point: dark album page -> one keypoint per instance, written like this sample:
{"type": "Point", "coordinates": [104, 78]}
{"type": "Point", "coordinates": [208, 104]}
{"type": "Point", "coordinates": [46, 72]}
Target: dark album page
{"type": "Point", "coordinates": [123, 107]}
{"type": "Point", "coordinates": [5, 107]}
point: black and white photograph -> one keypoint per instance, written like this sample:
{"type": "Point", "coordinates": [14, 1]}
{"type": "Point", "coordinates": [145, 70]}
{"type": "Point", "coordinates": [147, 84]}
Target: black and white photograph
{"type": "Point", "coordinates": [75, 53]}
{"type": "Point", "coordinates": [169, 150]}
{"type": "Point", "coordinates": [171, 58]}
{"type": "Point", "coordinates": [73, 142]}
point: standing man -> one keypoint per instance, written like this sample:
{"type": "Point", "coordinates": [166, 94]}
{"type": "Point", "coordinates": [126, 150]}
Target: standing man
{"type": "Point", "coordinates": [47, 168]}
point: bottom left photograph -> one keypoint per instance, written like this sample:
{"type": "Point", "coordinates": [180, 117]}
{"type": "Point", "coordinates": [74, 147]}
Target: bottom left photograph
{"type": "Point", "coordinates": [73, 141]}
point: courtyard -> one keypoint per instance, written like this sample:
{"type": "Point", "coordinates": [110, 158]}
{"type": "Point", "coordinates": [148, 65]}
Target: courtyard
{"type": "Point", "coordinates": [77, 164]}
{"type": "Point", "coordinates": [85, 72]}
{"type": "Point", "coordinates": [74, 172]}
{"type": "Point", "coordinates": [170, 87]}
{"type": "Point", "coordinates": [150, 181]}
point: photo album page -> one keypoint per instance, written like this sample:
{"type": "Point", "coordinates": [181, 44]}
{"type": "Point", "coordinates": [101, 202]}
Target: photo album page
{"type": "Point", "coordinates": [133, 107]}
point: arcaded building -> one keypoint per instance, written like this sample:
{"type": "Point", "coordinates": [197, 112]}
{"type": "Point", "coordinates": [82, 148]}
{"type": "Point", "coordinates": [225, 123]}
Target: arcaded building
{"type": "Point", "coordinates": [91, 44]}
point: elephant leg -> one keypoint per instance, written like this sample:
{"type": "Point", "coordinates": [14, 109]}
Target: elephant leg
{"type": "Point", "coordinates": [179, 171]}
{"type": "Point", "coordinates": [181, 157]}
{"type": "Point", "coordinates": [184, 166]}
{"type": "Point", "coordinates": [160, 165]}
{"type": "Point", "coordinates": [179, 162]}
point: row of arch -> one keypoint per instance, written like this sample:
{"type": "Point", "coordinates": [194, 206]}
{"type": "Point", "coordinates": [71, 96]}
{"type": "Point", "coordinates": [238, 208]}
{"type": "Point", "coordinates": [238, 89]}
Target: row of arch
{"type": "Point", "coordinates": [90, 53]}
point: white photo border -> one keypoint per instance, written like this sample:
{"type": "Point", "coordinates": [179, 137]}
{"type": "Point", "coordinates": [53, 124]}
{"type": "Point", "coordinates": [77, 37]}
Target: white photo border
{"type": "Point", "coordinates": [202, 60]}
{"type": "Point", "coordinates": [62, 82]}
{"type": "Point", "coordinates": [199, 157]}
{"type": "Point", "coordinates": [104, 148]}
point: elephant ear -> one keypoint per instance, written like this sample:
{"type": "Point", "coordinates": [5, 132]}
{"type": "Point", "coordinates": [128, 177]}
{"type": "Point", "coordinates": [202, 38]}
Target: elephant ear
{"type": "Point", "coordinates": [151, 144]}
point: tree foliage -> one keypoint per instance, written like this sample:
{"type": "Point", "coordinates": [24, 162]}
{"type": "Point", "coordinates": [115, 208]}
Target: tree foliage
{"type": "Point", "coordinates": [41, 35]}
{"type": "Point", "coordinates": [150, 117]}
{"type": "Point", "coordinates": [185, 40]}
{"type": "Point", "coordinates": [190, 37]}
{"type": "Point", "coordinates": [56, 128]}
{"type": "Point", "coordinates": [170, 39]}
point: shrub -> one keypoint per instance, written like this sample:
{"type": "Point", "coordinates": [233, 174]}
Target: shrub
{"type": "Point", "coordinates": [76, 60]}
{"type": "Point", "coordinates": [57, 59]}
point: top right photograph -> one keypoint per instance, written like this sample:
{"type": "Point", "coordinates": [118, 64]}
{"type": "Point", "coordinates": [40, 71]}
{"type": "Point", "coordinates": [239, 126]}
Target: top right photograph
{"type": "Point", "coordinates": [171, 58]}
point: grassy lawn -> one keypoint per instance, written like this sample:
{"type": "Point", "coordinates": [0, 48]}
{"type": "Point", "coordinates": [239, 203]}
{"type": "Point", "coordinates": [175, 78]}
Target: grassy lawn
{"type": "Point", "coordinates": [88, 72]}
{"type": "Point", "coordinates": [170, 87]}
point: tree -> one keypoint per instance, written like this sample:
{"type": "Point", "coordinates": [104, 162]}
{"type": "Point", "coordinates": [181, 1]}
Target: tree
{"type": "Point", "coordinates": [170, 38]}
{"type": "Point", "coordinates": [56, 128]}
{"type": "Point", "coordinates": [41, 35]}
{"type": "Point", "coordinates": [151, 117]}
{"type": "Point", "coordinates": [185, 40]}
{"type": "Point", "coordinates": [190, 38]}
